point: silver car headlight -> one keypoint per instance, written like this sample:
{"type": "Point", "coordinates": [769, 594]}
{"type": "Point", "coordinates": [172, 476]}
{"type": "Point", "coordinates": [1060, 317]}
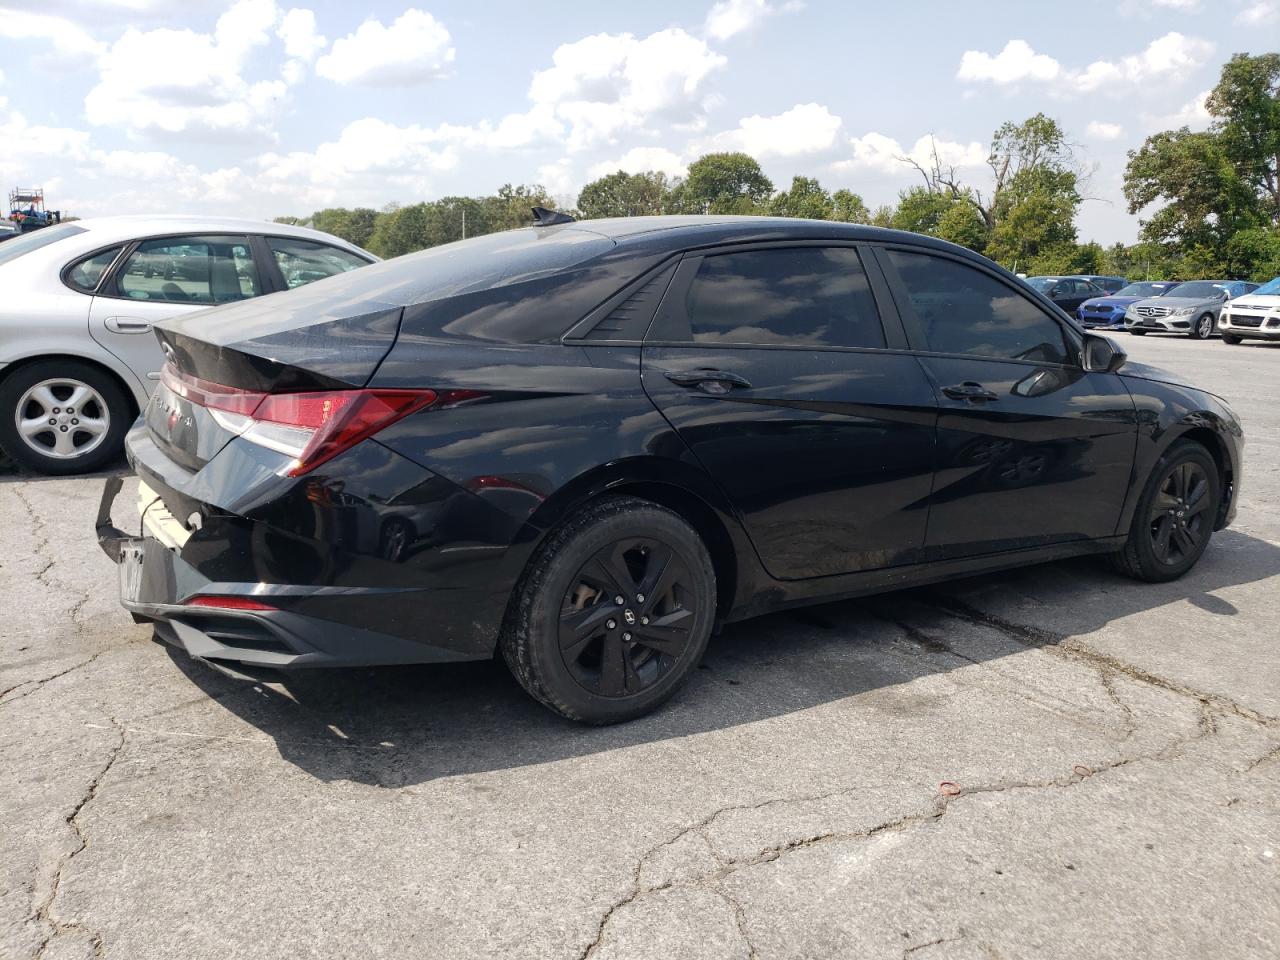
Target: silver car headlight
{"type": "Point", "coordinates": [1184, 311]}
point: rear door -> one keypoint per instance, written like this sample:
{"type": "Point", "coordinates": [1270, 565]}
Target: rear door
{"type": "Point", "coordinates": [774, 366]}
{"type": "Point", "coordinates": [163, 277]}
{"type": "Point", "coordinates": [1032, 449]}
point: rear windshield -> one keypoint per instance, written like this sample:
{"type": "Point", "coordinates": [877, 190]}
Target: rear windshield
{"type": "Point", "coordinates": [1271, 288]}
{"type": "Point", "coordinates": [12, 249]}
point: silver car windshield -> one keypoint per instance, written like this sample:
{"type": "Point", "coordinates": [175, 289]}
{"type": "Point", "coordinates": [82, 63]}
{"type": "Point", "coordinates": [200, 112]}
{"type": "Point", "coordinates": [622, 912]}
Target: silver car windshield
{"type": "Point", "coordinates": [12, 249]}
{"type": "Point", "coordinates": [1197, 290]}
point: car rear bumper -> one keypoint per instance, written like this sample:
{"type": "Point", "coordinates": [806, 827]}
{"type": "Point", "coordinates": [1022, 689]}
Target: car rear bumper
{"type": "Point", "coordinates": [327, 622]}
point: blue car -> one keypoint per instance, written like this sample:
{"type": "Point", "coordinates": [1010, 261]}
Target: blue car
{"type": "Point", "coordinates": [1109, 311]}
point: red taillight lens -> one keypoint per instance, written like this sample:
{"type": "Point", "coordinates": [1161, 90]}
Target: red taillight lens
{"type": "Point", "coordinates": [334, 421]}
{"type": "Point", "coordinates": [309, 426]}
{"type": "Point", "coordinates": [209, 601]}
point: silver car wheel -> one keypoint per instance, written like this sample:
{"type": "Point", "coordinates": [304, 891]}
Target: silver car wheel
{"type": "Point", "coordinates": [62, 418]}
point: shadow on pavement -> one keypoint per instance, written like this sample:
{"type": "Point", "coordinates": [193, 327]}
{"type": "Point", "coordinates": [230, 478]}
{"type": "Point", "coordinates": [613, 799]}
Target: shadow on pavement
{"type": "Point", "coordinates": [399, 726]}
{"type": "Point", "coordinates": [10, 472]}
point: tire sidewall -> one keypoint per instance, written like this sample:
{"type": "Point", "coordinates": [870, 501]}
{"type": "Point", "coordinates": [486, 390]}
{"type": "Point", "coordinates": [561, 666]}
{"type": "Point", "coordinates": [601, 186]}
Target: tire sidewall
{"type": "Point", "coordinates": [544, 614]}
{"type": "Point", "coordinates": [1196, 333]}
{"type": "Point", "coordinates": [21, 380]}
{"type": "Point", "coordinates": [1180, 451]}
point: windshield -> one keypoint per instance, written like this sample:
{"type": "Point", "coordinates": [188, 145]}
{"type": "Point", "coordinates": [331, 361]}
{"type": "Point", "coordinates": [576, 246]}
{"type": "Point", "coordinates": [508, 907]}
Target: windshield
{"type": "Point", "coordinates": [1148, 289]}
{"type": "Point", "coordinates": [1043, 284]}
{"type": "Point", "coordinates": [12, 249]}
{"type": "Point", "coordinates": [1270, 289]}
{"type": "Point", "coordinates": [1198, 290]}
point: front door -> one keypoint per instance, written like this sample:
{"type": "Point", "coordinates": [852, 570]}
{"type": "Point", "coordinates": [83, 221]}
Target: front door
{"type": "Point", "coordinates": [1032, 449]}
{"type": "Point", "coordinates": [775, 369]}
{"type": "Point", "coordinates": [164, 277]}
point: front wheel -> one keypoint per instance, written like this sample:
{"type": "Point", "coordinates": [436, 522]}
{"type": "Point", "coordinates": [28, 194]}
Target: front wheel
{"type": "Point", "coordinates": [1202, 329]}
{"type": "Point", "coordinates": [1174, 517]}
{"type": "Point", "coordinates": [1138, 333]}
{"type": "Point", "coordinates": [62, 417]}
{"type": "Point", "coordinates": [613, 613]}
{"type": "Point", "coordinates": [1231, 340]}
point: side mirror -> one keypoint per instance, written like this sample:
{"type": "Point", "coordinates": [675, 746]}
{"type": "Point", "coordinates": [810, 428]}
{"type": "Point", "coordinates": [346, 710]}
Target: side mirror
{"type": "Point", "coordinates": [1102, 354]}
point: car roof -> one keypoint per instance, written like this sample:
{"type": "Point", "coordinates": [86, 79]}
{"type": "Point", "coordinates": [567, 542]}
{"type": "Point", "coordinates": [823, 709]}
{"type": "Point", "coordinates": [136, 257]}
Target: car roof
{"type": "Point", "coordinates": [129, 226]}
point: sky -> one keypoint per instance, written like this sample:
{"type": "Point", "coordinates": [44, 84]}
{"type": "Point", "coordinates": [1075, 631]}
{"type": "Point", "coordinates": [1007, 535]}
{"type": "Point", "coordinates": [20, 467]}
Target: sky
{"type": "Point", "coordinates": [260, 108]}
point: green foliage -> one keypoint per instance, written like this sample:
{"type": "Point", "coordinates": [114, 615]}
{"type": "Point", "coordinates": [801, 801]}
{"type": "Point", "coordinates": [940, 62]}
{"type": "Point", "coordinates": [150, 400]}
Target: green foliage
{"type": "Point", "coordinates": [724, 183]}
{"type": "Point", "coordinates": [625, 194]}
{"type": "Point", "coordinates": [963, 224]}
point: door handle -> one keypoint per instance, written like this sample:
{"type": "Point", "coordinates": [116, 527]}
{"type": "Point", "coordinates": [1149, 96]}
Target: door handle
{"type": "Point", "coordinates": [708, 381]}
{"type": "Point", "coordinates": [126, 325]}
{"type": "Point", "coordinates": [969, 390]}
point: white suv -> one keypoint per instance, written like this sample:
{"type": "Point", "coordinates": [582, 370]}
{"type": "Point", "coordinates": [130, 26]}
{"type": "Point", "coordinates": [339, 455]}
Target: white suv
{"type": "Point", "coordinates": [77, 356]}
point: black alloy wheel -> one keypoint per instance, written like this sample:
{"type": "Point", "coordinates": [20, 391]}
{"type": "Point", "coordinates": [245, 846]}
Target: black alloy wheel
{"type": "Point", "coordinates": [1180, 517]}
{"type": "Point", "coordinates": [613, 612]}
{"type": "Point", "coordinates": [627, 617]}
{"type": "Point", "coordinates": [1175, 515]}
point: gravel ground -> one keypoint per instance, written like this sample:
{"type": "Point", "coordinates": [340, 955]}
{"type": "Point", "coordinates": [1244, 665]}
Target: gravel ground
{"type": "Point", "coordinates": [1047, 762]}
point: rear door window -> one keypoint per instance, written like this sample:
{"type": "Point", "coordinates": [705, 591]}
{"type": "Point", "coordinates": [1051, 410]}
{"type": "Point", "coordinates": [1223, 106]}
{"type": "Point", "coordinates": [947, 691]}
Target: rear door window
{"type": "Point", "coordinates": [804, 296]}
{"type": "Point", "coordinates": [960, 309]}
{"type": "Point", "coordinates": [85, 274]}
{"type": "Point", "coordinates": [304, 261]}
{"type": "Point", "coordinates": [195, 270]}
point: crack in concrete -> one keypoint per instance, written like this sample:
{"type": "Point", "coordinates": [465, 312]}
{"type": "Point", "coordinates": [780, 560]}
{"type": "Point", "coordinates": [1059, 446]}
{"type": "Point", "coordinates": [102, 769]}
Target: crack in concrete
{"type": "Point", "coordinates": [1073, 649]}
{"type": "Point", "coordinates": [908, 951]}
{"type": "Point", "coordinates": [44, 913]}
{"type": "Point", "coordinates": [38, 683]}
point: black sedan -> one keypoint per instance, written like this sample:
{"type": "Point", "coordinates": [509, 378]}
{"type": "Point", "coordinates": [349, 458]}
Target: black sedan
{"type": "Point", "coordinates": [587, 445]}
{"type": "Point", "coordinates": [1066, 292]}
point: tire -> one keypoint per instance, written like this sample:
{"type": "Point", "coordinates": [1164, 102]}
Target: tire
{"type": "Point", "coordinates": [1137, 333]}
{"type": "Point", "coordinates": [608, 551]}
{"type": "Point", "coordinates": [1202, 329]}
{"type": "Point", "coordinates": [1156, 518]}
{"type": "Point", "coordinates": [1231, 340]}
{"type": "Point", "coordinates": [69, 446]}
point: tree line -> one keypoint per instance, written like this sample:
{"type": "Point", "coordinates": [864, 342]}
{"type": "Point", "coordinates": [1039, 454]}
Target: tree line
{"type": "Point", "coordinates": [1209, 201]}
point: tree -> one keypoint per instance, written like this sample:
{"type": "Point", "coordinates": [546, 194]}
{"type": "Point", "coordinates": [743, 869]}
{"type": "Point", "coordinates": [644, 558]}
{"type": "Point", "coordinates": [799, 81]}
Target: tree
{"type": "Point", "coordinates": [806, 199]}
{"type": "Point", "coordinates": [849, 207]}
{"type": "Point", "coordinates": [963, 224]}
{"type": "Point", "coordinates": [724, 183]}
{"type": "Point", "coordinates": [354, 226]}
{"type": "Point", "coordinates": [625, 194]}
{"type": "Point", "coordinates": [920, 210]}
{"type": "Point", "coordinates": [1245, 106]}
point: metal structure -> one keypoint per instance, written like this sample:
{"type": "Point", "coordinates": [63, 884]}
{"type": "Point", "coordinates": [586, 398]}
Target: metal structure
{"type": "Point", "coordinates": [27, 210]}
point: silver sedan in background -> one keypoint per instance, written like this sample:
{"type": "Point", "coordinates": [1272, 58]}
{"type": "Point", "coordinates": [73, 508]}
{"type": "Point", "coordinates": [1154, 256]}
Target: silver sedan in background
{"type": "Point", "coordinates": [1190, 308]}
{"type": "Point", "coordinates": [77, 356]}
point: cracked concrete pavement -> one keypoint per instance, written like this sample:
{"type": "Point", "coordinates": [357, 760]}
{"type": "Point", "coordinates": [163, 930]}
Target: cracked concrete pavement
{"type": "Point", "coordinates": [1047, 762]}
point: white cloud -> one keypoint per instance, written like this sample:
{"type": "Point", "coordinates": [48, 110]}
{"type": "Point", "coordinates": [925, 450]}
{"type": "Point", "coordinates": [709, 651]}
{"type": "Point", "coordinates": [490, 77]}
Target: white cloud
{"type": "Point", "coordinates": [805, 128]}
{"type": "Point", "coordinates": [605, 84]}
{"type": "Point", "coordinates": [1170, 55]}
{"type": "Point", "coordinates": [877, 152]}
{"type": "Point", "coordinates": [728, 18]}
{"type": "Point", "coordinates": [414, 49]}
{"type": "Point", "coordinates": [70, 41]}
{"type": "Point", "coordinates": [301, 38]}
{"type": "Point", "coordinates": [1104, 131]}
{"type": "Point", "coordinates": [1259, 14]}
{"type": "Point", "coordinates": [179, 81]}
{"type": "Point", "coordinates": [642, 160]}
{"type": "Point", "coordinates": [1194, 114]}
{"type": "Point", "coordinates": [1176, 4]}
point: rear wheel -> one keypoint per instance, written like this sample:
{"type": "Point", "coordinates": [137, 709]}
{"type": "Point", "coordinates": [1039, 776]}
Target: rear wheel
{"type": "Point", "coordinates": [1175, 515]}
{"type": "Point", "coordinates": [62, 417]}
{"type": "Point", "coordinates": [1202, 329]}
{"type": "Point", "coordinates": [1231, 340]}
{"type": "Point", "coordinates": [613, 613]}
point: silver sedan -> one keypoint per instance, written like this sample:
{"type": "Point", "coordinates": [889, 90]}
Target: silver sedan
{"type": "Point", "coordinates": [77, 356]}
{"type": "Point", "coordinates": [1190, 308]}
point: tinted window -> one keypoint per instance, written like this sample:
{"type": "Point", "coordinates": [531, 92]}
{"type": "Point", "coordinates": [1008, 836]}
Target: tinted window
{"type": "Point", "coordinates": [190, 270]}
{"type": "Point", "coordinates": [302, 261]}
{"type": "Point", "coordinates": [962, 310]}
{"type": "Point", "coordinates": [808, 296]}
{"type": "Point", "coordinates": [87, 272]}
{"type": "Point", "coordinates": [1144, 289]}
{"type": "Point", "coordinates": [36, 239]}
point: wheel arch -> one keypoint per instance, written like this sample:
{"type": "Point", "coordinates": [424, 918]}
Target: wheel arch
{"type": "Point", "coordinates": [1217, 447]}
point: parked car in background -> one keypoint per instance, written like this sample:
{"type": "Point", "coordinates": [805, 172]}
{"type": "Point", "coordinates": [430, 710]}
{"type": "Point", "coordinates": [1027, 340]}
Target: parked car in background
{"type": "Point", "coordinates": [1191, 308]}
{"type": "Point", "coordinates": [1108, 312]}
{"type": "Point", "coordinates": [77, 355]}
{"type": "Point", "coordinates": [1253, 316]}
{"type": "Point", "coordinates": [1067, 292]}
{"type": "Point", "coordinates": [1108, 284]}
{"type": "Point", "coordinates": [585, 445]}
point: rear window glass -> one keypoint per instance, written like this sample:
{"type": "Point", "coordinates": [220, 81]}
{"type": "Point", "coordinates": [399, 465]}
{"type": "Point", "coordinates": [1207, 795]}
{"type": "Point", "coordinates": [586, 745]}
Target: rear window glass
{"type": "Point", "coordinates": [12, 249]}
{"type": "Point", "coordinates": [86, 273]}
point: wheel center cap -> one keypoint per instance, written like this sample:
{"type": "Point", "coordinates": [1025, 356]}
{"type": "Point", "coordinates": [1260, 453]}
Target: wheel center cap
{"type": "Point", "coordinates": [629, 616]}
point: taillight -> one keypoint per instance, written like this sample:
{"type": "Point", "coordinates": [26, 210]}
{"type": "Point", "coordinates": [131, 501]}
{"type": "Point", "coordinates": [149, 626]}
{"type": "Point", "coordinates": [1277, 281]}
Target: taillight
{"type": "Point", "coordinates": [311, 427]}
{"type": "Point", "coordinates": [210, 601]}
